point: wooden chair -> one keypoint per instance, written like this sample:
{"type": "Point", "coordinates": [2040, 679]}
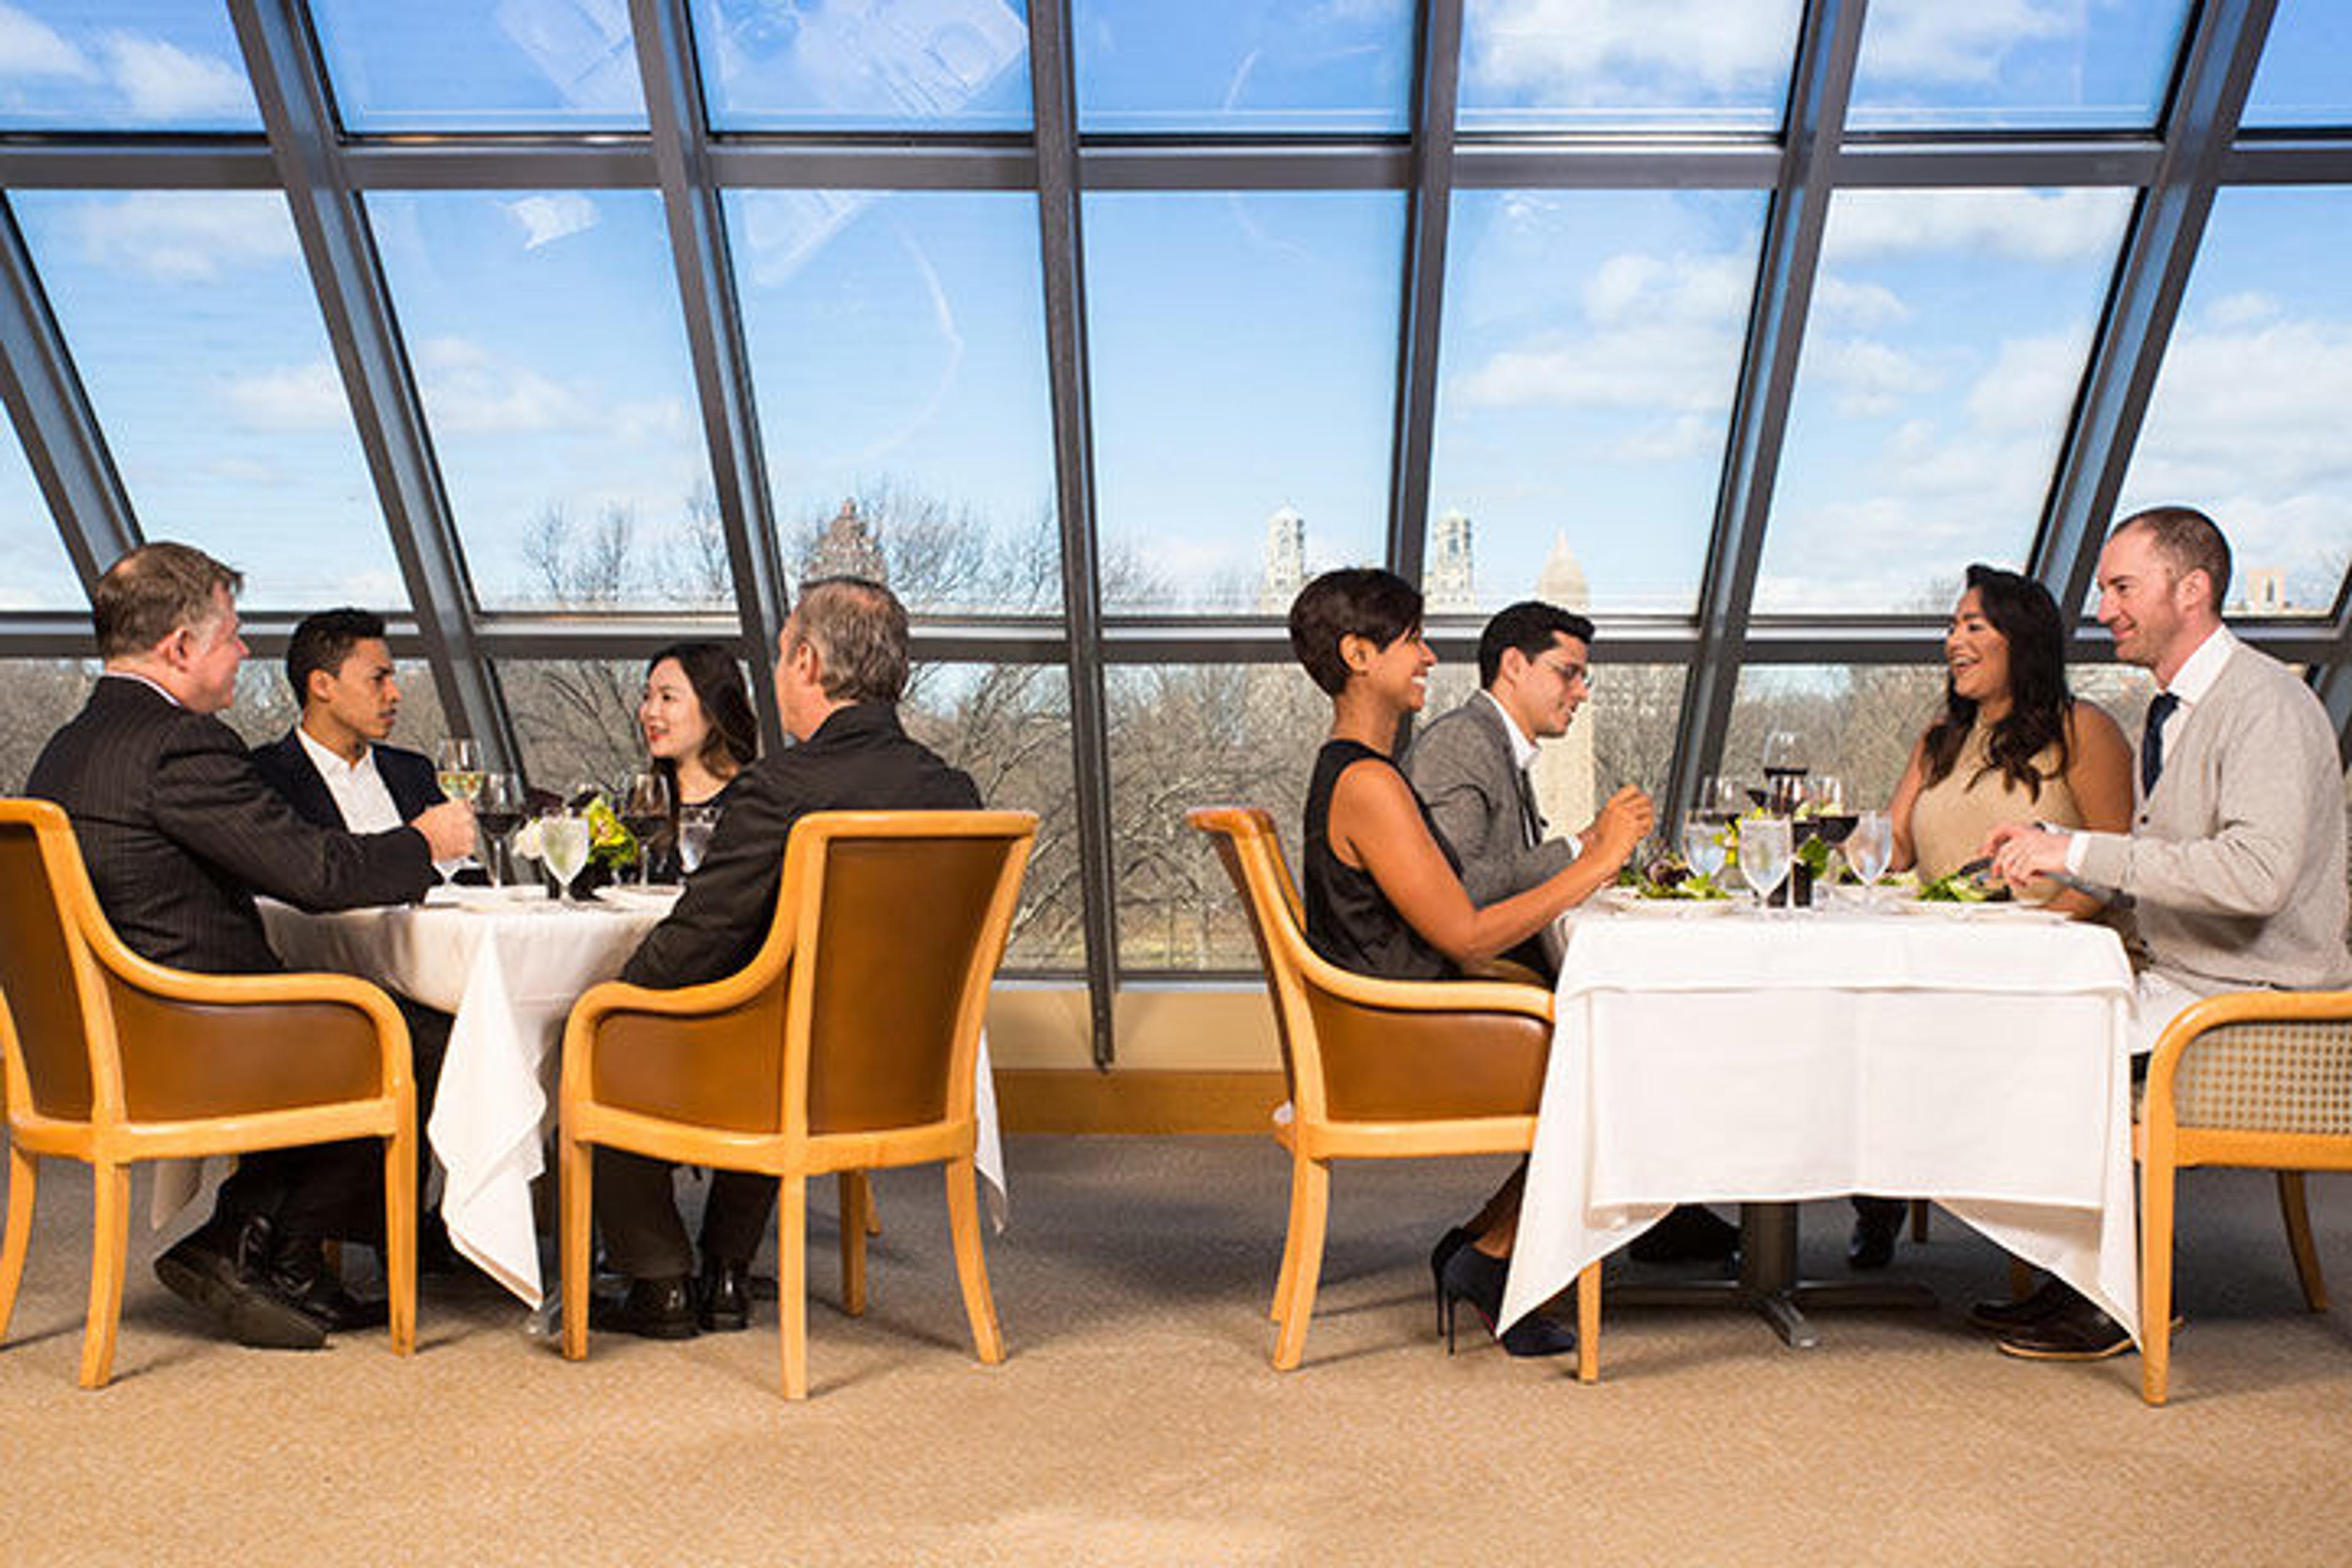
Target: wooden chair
{"type": "Point", "coordinates": [111, 1059]}
{"type": "Point", "coordinates": [1381, 1070]}
{"type": "Point", "coordinates": [2260, 1078]}
{"type": "Point", "coordinates": [848, 1044]}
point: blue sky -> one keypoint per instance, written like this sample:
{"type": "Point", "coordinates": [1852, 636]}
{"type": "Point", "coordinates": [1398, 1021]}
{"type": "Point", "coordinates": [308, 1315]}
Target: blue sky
{"type": "Point", "coordinates": [1243, 346]}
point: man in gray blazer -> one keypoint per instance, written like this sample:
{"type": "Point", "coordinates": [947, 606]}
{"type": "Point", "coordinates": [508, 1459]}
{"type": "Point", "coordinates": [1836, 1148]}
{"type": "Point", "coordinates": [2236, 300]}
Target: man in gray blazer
{"type": "Point", "coordinates": [1470, 767]}
{"type": "Point", "coordinates": [2234, 868]}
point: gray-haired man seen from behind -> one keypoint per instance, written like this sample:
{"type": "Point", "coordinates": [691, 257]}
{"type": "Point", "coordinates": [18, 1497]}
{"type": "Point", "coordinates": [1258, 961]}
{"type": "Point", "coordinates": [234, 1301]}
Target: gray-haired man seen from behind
{"type": "Point", "coordinates": [2234, 868]}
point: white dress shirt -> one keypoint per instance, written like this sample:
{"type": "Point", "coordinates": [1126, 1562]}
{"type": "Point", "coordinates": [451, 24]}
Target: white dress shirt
{"type": "Point", "coordinates": [359, 790]}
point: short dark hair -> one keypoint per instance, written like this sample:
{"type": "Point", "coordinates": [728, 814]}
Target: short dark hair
{"type": "Point", "coordinates": [1354, 601]}
{"type": "Point", "coordinates": [1529, 626]}
{"type": "Point", "coordinates": [859, 631]}
{"type": "Point", "coordinates": [718, 682]}
{"type": "Point", "coordinates": [324, 641]}
{"type": "Point", "coordinates": [2188, 540]}
{"type": "Point", "coordinates": [154, 591]}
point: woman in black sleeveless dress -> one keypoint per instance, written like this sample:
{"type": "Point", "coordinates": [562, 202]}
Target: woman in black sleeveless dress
{"type": "Point", "coordinates": [1383, 890]}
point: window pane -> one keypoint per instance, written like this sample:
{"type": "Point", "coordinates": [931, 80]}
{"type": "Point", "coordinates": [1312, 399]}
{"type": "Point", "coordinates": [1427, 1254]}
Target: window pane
{"type": "Point", "coordinates": [1859, 722]}
{"type": "Point", "coordinates": [1592, 347]}
{"type": "Point", "coordinates": [462, 65]}
{"type": "Point", "coordinates": [2305, 77]}
{"type": "Point", "coordinates": [1008, 726]}
{"type": "Point", "coordinates": [898, 352]}
{"type": "Point", "coordinates": [1935, 63]}
{"type": "Point", "coordinates": [1240, 66]}
{"type": "Point", "coordinates": [122, 65]}
{"type": "Point", "coordinates": [1624, 734]}
{"type": "Point", "coordinates": [193, 323]}
{"type": "Point", "coordinates": [1713, 65]}
{"type": "Point", "coordinates": [864, 65]}
{"type": "Point", "coordinates": [265, 708]}
{"type": "Point", "coordinates": [548, 349]}
{"type": "Point", "coordinates": [38, 574]}
{"type": "Point", "coordinates": [2125, 690]}
{"type": "Point", "coordinates": [1243, 355]}
{"type": "Point", "coordinates": [576, 719]}
{"type": "Point", "coordinates": [2247, 419]}
{"type": "Point", "coordinates": [36, 697]}
{"type": "Point", "coordinates": [1944, 352]}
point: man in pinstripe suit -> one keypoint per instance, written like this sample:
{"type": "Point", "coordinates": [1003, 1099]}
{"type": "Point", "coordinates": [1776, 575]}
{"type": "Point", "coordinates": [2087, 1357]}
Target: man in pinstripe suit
{"type": "Point", "coordinates": [180, 831]}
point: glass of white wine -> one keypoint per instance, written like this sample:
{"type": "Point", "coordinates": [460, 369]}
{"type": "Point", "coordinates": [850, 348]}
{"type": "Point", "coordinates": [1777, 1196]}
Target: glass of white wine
{"type": "Point", "coordinates": [457, 768]}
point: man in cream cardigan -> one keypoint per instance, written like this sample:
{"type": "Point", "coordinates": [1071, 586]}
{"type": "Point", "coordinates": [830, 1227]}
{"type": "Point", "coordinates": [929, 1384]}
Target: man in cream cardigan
{"type": "Point", "coordinates": [2234, 868]}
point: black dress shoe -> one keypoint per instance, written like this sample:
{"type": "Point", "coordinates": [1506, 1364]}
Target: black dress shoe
{"type": "Point", "coordinates": [2052, 1297]}
{"type": "Point", "coordinates": [299, 1270]}
{"type": "Point", "coordinates": [1878, 1223]}
{"type": "Point", "coordinates": [2078, 1332]}
{"type": "Point", "coordinates": [1471, 1275]}
{"type": "Point", "coordinates": [1691, 1233]}
{"type": "Point", "coordinates": [726, 1304]}
{"type": "Point", "coordinates": [652, 1310]}
{"type": "Point", "coordinates": [223, 1268]}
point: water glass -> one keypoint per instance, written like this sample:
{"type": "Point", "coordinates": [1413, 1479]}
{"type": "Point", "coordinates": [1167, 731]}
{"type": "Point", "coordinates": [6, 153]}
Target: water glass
{"type": "Point", "coordinates": [695, 826]}
{"type": "Point", "coordinates": [1703, 849]}
{"type": "Point", "coordinates": [1869, 848]}
{"type": "Point", "coordinates": [1766, 848]}
{"type": "Point", "coordinates": [563, 846]}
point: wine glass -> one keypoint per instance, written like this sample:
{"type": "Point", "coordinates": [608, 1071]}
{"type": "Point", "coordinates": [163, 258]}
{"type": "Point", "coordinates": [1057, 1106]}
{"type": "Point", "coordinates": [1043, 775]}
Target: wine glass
{"type": "Point", "coordinates": [644, 812]}
{"type": "Point", "coordinates": [1868, 849]}
{"type": "Point", "coordinates": [1721, 798]}
{"type": "Point", "coordinates": [1784, 767]}
{"type": "Point", "coordinates": [1825, 799]}
{"type": "Point", "coordinates": [564, 845]}
{"type": "Point", "coordinates": [498, 811]}
{"type": "Point", "coordinates": [457, 768]}
{"type": "Point", "coordinates": [1703, 849]}
{"type": "Point", "coordinates": [1766, 848]}
{"type": "Point", "coordinates": [695, 826]}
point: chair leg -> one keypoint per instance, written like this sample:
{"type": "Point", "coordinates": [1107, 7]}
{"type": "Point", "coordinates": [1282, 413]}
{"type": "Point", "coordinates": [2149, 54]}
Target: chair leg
{"type": "Point", "coordinates": [791, 1279]}
{"type": "Point", "coordinates": [972, 1262]}
{"type": "Point", "coordinates": [2156, 1191]}
{"type": "Point", "coordinates": [1588, 1324]}
{"type": "Point", "coordinates": [109, 1241]}
{"type": "Point", "coordinates": [1310, 1205]}
{"type": "Point", "coordinates": [2292, 1209]}
{"type": "Point", "coordinates": [399, 1232]}
{"type": "Point", "coordinates": [1288, 1273]}
{"type": "Point", "coordinates": [856, 1197]}
{"type": "Point", "coordinates": [1919, 1207]}
{"type": "Point", "coordinates": [22, 1170]}
{"type": "Point", "coordinates": [873, 1209]}
{"type": "Point", "coordinates": [576, 1160]}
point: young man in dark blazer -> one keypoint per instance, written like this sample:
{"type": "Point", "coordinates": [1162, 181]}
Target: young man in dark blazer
{"type": "Point", "coordinates": [840, 670]}
{"type": "Point", "coordinates": [333, 766]}
{"type": "Point", "coordinates": [180, 832]}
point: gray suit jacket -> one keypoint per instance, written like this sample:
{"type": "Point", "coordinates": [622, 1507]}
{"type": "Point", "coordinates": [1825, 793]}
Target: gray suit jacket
{"type": "Point", "coordinates": [1461, 765]}
{"type": "Point", "coordinates": [2235, 864]}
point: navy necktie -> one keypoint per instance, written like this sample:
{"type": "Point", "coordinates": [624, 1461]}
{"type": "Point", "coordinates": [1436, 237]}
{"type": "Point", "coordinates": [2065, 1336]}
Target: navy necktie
{"type": "Point", "coordinates": [2151, 741]}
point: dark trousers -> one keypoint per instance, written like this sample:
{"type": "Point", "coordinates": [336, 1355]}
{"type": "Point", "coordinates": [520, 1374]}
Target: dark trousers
{"type": "Point", "coordinates": [637, 1210]}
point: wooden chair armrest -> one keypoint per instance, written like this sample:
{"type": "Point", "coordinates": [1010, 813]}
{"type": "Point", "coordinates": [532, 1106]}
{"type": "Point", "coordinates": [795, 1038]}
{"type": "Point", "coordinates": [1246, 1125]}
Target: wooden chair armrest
{"type": "Point", "coordinates": [1430, 996]}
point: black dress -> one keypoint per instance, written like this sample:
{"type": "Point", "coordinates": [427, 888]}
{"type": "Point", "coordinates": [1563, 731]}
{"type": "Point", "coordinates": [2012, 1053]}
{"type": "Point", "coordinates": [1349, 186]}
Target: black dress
{"type": "Point", "coordinates": [1348, 920]}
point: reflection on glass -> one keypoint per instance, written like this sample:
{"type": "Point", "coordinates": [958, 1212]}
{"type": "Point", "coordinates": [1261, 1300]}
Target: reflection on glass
{"type": "Point", "coordinates": [1945, 347]}
{"type": "Point", "coordinates": [1713, 65]}
{"type": "Point", "coordinates": [1859, 722]}
{"type": "Point", "coordinates": [898, 357]}
{"type": "Point", "coordinates": [36, 697]}
{"type": "Point", "coordinates": [2062, 67]}
{"type": "Point", "coordinates": [2301, 80]}
{"type": "Point", "coordinates": [1008, 725]}
{"type": "Point", "coordinates": [195, 328]}
{"type": "Point", "coordinates": [122, 65]}
{"type": "Point", "coordinates": [864, 65]}
{"type": "Point", "coordinates": [1243, 357]}
{"type": "Point", "coordinates": [480, 65]}
{"type": "Point", "coordinates": [40, 575]}
{"type": "Point", "coordinates": [2247, 419]}
{"type": "Point", "coordinates": [552, 359]}
{"type": "Point", "coordinates": [1241, 66]}
{"type": "Point", "coordinates": [1591, 344]}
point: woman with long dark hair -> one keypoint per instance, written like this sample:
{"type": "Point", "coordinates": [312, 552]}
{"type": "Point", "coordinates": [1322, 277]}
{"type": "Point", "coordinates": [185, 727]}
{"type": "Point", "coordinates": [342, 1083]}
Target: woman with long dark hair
{"type": "Point", "coordinates": [696, 716]}
{"type": "Point", "coordinates": [1383, 890]}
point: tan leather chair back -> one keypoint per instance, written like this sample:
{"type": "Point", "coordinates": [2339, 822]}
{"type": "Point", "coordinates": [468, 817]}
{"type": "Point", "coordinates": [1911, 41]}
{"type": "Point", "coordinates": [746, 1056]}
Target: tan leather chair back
{"type": "Point", "coordinates": [1230, 829]}
{"type": "Point", "coordinates": [903, 919]}
{"type": "Point", "coordinates": [46, 974]}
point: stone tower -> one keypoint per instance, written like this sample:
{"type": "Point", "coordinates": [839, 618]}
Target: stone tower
{"type": "Point", "coordinates": [1447, 580]}
{"type": "Point", "coordinates": [1563, 773]}
{"type": "Point", "coordinates": [1286, 561]}
{"type": "Point", "coordinates": [846, 549]}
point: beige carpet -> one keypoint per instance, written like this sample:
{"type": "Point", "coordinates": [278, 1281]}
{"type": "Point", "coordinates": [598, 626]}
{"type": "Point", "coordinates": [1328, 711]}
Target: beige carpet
{"type": "Point", "coordinates": [1137, 1421]}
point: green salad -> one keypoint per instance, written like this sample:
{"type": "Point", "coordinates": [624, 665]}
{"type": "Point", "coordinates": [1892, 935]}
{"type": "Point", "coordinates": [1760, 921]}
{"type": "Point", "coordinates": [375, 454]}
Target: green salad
{"type": "Point", "coordinates": [1668, 876]}
{"type": "Point", "coordinates": [1958, 889]}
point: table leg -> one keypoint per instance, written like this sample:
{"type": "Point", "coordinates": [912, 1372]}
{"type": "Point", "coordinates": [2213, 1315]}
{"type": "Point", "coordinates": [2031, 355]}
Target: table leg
{"type": "Point", "coordinates": [1768, 1284]}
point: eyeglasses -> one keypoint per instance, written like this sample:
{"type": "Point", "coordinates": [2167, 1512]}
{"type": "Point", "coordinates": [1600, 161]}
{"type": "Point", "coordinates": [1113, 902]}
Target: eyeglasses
{"type": "Point", "coordinates": [1569, 674]}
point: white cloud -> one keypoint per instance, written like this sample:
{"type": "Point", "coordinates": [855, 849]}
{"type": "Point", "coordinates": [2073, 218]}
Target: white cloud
{"type": "Point", "coordinates": [293, 397]}
{"type": "Point", "coordinates": [2250, 308]}
{"type": "Point", "coordinates": [1576, 52]}
{"type": "Point", "coordinates": [163, 81]}
{"type": "Point", "coordinates": [548, 218]}
{"type": "Point", "coordinates": [2258, 410]}
{"type": "Point", "coordinates": [2023, 226]}
{"type": "Point", "coordinates": [1872, 378]}
{"type": "Point", "coordinates": [184, 236]}
{"type": "Point", "coordinates": [469, 391]}
{"type": "Point", "coordinates": [31, 47]}
{"type": "Point", "coordinates": [1855, 305]}
{"type": "Point", "coordinates": [1665, 334]}
{"type": "Point", "coordinates": [652, 418]}
{"type": "Point", "coordinates": [2030, 379]}
{"type": "Point", "coordinates": [1960, 40]}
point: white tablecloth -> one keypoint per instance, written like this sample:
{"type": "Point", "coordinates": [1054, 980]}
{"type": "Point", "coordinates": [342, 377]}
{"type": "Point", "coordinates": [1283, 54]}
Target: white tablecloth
{"type": "Point", "coordinates": [509, 976]}
{"type": "Point", "coordinates": [1980, 1062]}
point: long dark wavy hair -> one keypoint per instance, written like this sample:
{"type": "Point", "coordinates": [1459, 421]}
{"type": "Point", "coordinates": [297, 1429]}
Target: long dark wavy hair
{"type": "Point", "coordinates": [2022, 612]}
{"type": "Point", "coordinates": [718, 682]}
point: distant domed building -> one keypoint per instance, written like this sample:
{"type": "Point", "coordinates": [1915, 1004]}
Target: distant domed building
{"type": "Point", "coordinates": [846, 548]}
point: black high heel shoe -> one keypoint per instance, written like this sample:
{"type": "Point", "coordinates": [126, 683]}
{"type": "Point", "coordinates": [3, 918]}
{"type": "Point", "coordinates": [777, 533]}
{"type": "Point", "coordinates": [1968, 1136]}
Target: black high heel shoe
{"type": "Point", "coordinates": [1452, 1242]}
{"type": "Point", "coordinates": [1471, 1275]}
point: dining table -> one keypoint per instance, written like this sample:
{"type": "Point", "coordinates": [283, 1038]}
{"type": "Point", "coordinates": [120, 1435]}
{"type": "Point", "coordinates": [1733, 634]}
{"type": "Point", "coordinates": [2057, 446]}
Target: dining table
{"type": "Point", "coordinates": [1712, 1052]}
{"type": "Point", "coordinates": [507, 964]}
